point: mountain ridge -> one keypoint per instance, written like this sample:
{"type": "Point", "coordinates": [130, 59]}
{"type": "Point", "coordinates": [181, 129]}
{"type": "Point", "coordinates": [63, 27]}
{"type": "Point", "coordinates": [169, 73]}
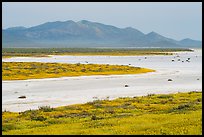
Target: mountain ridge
{"type": "Point", "coordinates": [87, 34]}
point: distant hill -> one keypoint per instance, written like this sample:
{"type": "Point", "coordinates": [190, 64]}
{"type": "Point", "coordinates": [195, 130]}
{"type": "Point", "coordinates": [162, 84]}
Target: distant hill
{"type": "Point", "coordinates": [87, 34]}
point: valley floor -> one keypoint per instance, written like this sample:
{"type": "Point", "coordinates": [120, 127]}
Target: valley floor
{"type": "Point", "coordinates": [144, 104]}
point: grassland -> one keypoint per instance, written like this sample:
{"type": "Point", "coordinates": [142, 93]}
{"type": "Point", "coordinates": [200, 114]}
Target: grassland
{"type": "Point", "coordinates": [162, 114]}
{"type": "Point", "coordinates": [35, 70]}
{"type": "Point", "coordinates": [43, 52]}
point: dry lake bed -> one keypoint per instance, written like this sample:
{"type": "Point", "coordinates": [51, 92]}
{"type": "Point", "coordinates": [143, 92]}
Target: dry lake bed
{"type": "Point", "coordinates": [186, 75]}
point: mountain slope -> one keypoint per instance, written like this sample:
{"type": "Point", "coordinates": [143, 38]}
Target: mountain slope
{"type": "Point", "coordinates": [190, 42]}
{"type": "Point", "coordinates": [86, 34]}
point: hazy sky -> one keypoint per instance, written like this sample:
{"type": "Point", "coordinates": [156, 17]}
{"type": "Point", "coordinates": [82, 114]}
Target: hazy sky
{"type": "Point", "coordinates": [170, 19]}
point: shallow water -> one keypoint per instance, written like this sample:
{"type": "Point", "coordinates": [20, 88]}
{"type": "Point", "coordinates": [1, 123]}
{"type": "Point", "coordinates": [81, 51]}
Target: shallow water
{"type": "Point", "coordinates": [70, 90]}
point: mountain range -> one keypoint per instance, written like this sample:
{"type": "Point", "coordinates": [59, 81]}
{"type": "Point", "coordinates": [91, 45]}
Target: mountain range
{"type": "Point", "coordinates": [87, 34]}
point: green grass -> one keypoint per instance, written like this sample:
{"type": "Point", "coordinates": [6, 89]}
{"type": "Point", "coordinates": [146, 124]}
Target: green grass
{"type": "Point", "coordinates": [171, 114]}
{"type": "Point", "coordinates": [35, 70]}
{"type": "Point", "coordinates": [43, 52]}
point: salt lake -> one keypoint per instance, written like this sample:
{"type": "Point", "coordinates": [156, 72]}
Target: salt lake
{"type": "Point", "coordinates": [186, 76]}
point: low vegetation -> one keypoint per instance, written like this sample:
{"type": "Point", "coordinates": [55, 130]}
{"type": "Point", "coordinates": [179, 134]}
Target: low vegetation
{"type": "Point", "coordinates": [34, 70]}
{"type": "Point", "coordinates": [43, 52]}
{"type": "Point", "coordinates": [167, 114]}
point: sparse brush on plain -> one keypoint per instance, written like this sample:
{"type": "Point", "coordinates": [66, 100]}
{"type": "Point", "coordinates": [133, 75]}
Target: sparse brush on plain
{"type": "Point", "coordinates": [31, 70]}
{"type": "Point", "coordinates": [146, 115]}
{"type": "Point", "coordinates": [44, 52]}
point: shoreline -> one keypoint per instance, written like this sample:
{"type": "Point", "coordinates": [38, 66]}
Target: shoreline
{"type": "Point", "coordinates": [108, 99]}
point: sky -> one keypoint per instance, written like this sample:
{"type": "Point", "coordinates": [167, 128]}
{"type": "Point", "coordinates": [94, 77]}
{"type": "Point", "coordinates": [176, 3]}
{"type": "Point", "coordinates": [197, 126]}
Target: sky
{"type": "Point", "coordinates": [177, 20]}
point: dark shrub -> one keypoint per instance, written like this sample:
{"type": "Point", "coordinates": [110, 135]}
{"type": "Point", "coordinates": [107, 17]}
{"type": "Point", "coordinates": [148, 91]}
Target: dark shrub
{"type": "Point", "coordinates": [93, 117]}
{"type": "Point", "coordinates": [183, 106]}
{"type": "Point", "coordinates": [126, 86]}
{"type": "Point", "coordinates": [46, 108]}
{"type": "Point", "coordinates": [97, 105]}
{"type": "Point", "coordinates": [199, 99]}
{"type": "Point", "coordinates": [22, 97]}
{"type": "Point", "coordinates": [83, 70]}
{"type": "Point", "coordinates": [165, 96]}
{"type": "Point", "coordinates": [38, 118]}
{"type": "Point", "coordinates": [150, 95]}
{"type": "Point", "coordinates": [6, 127]}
